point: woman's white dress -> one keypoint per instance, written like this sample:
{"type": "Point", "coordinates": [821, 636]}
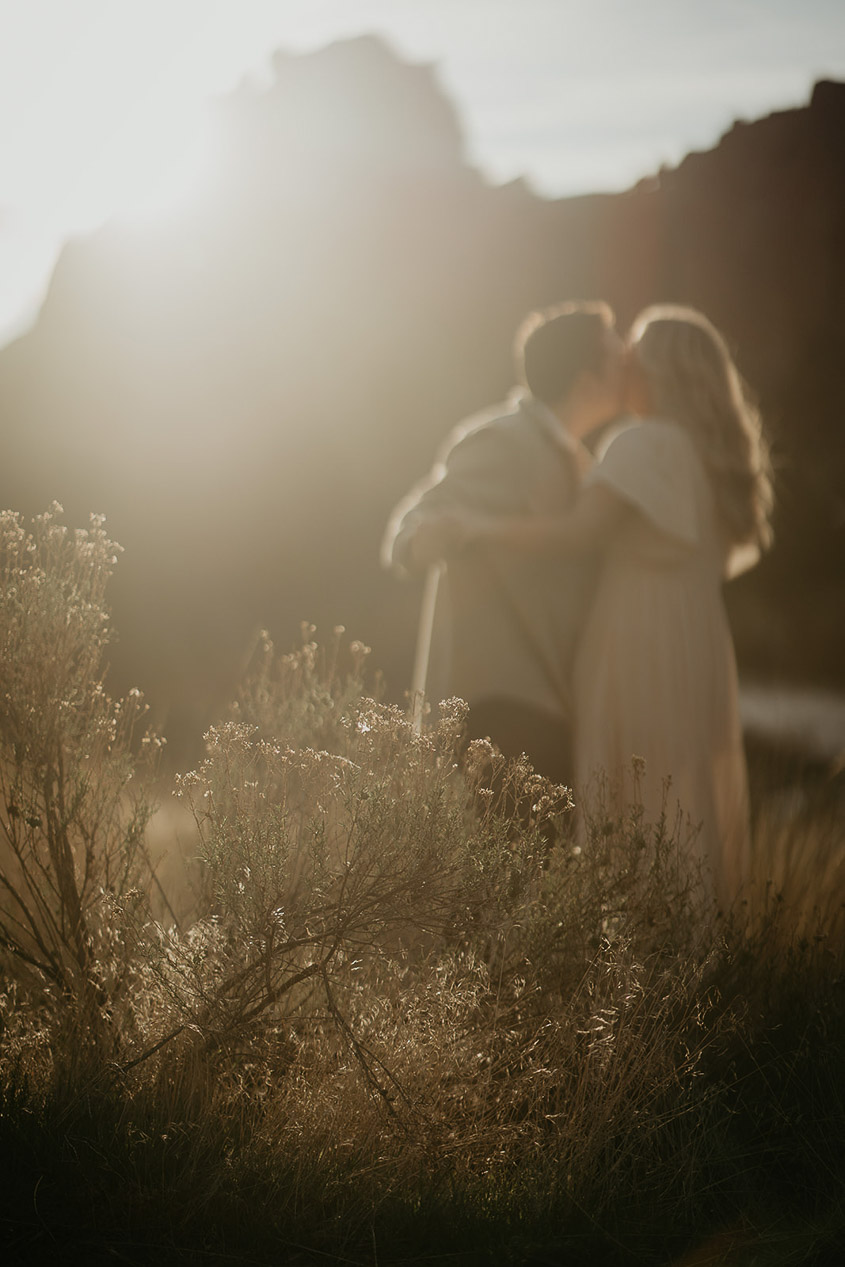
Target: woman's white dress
{"type": "Point", "coordinates": [655, 673]}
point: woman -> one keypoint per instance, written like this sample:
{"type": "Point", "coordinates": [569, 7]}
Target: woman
{"type": "Point", "coordinates": [679, 501]}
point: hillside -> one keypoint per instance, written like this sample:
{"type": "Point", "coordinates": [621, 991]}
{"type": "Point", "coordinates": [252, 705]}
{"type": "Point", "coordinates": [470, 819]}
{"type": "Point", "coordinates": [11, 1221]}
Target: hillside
{"type": "Point", "coordinates": [246, 390]}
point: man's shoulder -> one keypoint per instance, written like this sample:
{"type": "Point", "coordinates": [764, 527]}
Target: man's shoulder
{"type": "Point", "coordinates": [499, 424]}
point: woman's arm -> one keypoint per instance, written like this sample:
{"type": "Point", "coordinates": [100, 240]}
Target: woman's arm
{"type": "Point", "coordinates": [596, 516]}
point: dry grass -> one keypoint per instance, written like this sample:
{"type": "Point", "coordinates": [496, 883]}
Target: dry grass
{"type": "Point", "coordinates": [361, 1009]}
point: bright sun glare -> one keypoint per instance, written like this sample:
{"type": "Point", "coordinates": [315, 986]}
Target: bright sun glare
{"type": "Point", "coordinates": [107, 119]}
{"type": "Point", "coordinates": [140, 166]}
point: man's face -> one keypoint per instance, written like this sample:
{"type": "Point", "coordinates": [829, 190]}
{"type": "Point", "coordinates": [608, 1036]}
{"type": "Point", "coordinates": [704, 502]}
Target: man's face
{"type": "Point", "coordinates": [636, 394]}
{"type": "Point", "coordinates": [610, 380]}
{"type": "Point", "coordinates": [600, 391]}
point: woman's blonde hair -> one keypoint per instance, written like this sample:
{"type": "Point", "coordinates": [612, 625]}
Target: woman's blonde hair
{"type": "Point", "coordinates": [693, 381]}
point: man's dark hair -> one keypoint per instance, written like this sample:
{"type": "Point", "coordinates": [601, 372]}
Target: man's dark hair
{"type": "Point", "coordinates": [553, 346]}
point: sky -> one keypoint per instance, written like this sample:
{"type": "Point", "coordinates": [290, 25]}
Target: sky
{"type": "Point", "coordinates": [102, 102]}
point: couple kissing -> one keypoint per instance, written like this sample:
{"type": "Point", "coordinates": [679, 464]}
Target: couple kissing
{"type": "Point", "coordinates": [580, 535]}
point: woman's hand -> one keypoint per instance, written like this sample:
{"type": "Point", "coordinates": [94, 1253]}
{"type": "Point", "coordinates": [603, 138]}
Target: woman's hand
{"type": "Point", "coordinates": [448, 534]}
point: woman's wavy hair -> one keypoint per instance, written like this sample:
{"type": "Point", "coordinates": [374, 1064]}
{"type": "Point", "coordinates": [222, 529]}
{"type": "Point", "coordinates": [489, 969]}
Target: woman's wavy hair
{"type": "Point", "coordinates": [693, 381]}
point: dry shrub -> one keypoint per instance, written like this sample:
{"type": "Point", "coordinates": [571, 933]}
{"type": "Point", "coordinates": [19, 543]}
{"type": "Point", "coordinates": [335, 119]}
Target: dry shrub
{"type": "Point", "coordinates": [433, 977]}
{"type": "Point", "coordinates": [408, 983]}
{"type": "Point", "coordinates": [72, 803]}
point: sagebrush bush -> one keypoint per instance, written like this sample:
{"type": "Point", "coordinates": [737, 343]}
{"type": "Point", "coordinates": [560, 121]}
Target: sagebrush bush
{"type": "Point", "coordinates": [413, 1007]}
{"type": "Point", "coordinates": [73, 806]}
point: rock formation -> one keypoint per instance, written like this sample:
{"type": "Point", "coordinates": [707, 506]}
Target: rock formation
{"type": "Point", "coordinates": [245, 390]}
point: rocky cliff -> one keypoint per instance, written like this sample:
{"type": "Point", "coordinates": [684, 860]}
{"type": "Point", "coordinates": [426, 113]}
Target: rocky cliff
{"type": "Point", "coordinates": [245, 390]}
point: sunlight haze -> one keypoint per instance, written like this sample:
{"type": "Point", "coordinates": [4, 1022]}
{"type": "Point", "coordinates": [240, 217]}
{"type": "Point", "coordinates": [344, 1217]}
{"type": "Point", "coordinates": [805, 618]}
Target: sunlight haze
{"type": "Point", "coordinates": [102, 104]}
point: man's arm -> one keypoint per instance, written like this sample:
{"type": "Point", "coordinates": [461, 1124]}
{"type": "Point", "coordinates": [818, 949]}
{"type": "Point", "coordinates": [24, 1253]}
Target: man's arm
{"type": "Point", "coordinates": [477, 475]}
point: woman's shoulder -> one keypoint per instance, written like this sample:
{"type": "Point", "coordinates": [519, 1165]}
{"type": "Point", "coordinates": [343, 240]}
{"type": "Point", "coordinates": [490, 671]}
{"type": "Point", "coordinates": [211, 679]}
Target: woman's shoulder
{"type": "Point", "coordinates": [645, 437]}
{"type": "Point", "coordinates": [650, 463]}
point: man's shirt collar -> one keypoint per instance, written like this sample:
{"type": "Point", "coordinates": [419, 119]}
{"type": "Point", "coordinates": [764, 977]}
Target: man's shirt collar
{"type": "Point", "coordinates": [549, 421]}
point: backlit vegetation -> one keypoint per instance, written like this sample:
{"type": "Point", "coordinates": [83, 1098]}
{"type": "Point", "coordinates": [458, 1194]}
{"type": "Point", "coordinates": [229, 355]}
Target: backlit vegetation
{"type": "Point", "coordinates": [394, 1008]}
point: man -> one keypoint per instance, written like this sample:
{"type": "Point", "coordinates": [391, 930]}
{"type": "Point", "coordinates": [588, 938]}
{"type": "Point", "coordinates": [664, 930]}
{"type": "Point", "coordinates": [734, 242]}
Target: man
{"type": "Point", "coordinates": [509, 621]}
